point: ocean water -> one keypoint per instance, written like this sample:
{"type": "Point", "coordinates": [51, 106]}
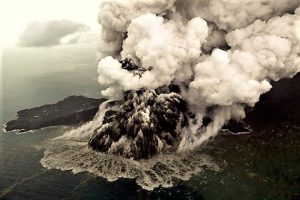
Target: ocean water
{"type": "Point", "coordinates": [261, 165]}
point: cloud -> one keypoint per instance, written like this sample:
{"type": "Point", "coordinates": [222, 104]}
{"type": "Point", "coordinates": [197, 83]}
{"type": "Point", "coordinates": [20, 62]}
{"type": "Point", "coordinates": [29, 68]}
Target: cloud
{"type": "Point", "coordinates": [50, 33]}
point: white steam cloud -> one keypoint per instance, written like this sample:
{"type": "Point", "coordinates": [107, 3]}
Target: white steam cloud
{"type": "Point", "coordinates": [222, 53]}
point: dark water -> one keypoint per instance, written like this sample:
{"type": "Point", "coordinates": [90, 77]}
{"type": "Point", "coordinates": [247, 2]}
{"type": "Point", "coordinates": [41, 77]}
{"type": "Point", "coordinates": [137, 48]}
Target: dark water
{"type": "Point", "coordinates": [261, 165]}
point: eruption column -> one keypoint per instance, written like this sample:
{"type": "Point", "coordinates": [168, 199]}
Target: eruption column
{"type": "Point", "coordinates": [220, 56]}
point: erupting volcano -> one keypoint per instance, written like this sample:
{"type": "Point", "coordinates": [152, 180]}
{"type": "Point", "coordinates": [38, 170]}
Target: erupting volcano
{"type": "Point", "coordinates": [192, 99]}
{"type": "Point", "coordinates": [177, 71]}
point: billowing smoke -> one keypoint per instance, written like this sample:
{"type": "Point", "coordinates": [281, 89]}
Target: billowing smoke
{"type": "Point", "coordinates": [220, 56]}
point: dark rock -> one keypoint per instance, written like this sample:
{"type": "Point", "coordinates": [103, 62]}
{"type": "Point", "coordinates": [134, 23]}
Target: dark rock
{"type": "Point", "coordinates": [71, 110]}
{"type": "Point", "coordinates": [280, 105]}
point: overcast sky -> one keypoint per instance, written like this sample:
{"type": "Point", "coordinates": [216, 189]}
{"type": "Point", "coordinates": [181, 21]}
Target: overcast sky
{"type": "Point", "coordinates": [15, 15]}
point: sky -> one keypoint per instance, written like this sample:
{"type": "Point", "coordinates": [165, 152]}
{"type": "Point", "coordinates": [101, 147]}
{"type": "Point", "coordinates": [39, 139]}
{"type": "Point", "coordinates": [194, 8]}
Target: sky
{"type": "Point", "coordinates": [15, 15]}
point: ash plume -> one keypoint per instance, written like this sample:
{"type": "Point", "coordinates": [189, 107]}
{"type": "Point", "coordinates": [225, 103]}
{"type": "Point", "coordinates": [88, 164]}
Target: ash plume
{"type": "Point", "coordinates": [220, 55]}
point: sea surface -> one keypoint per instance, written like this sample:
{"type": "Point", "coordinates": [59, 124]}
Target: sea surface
{"type": "Point", "coordinates": [262, 165]}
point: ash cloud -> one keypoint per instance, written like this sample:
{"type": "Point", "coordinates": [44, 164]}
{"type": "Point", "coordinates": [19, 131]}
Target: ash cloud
{"type": "Point", "coordinates": [51, 33]}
